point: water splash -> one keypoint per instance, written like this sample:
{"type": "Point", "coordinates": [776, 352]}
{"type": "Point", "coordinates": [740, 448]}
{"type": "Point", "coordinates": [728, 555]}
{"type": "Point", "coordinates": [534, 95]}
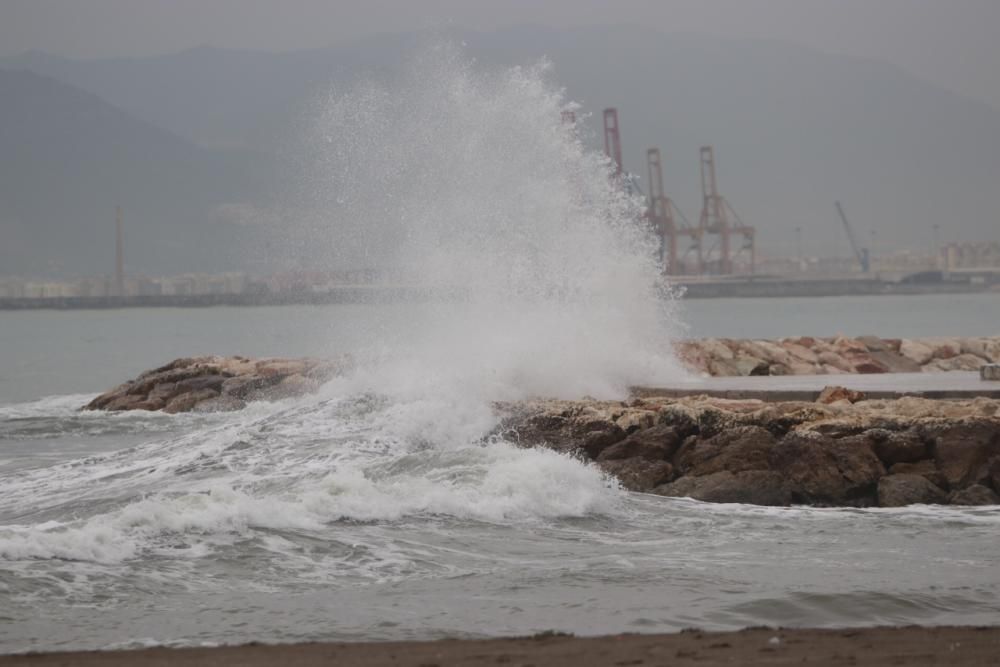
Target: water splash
{"type": "Point", "coordinates": [466, 181]}
{"type": "Point", "coordinates": [458, 180]}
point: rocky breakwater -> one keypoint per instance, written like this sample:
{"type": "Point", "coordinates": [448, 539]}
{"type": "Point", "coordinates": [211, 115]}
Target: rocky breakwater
{"type": "Point", "coordinates": [834, 453]}
{"type": "Point", "coordinates": [216, 383]}
{"type": "Point", "coordinates": [841, 354]}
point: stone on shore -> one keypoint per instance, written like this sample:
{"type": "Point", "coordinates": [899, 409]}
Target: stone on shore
{"type": "Point", "coordinates": [977, 494]}
{"type": "Point", "coordinates": [814, 356]}
{"type": "Point", "coordinates": [211, 384]}
{"type": "Point", "coordinates": [905, 489]}
{"type": "Point", "coordinates": [867, 453]}
{"type": "Point", "coordinates": [843, 450]}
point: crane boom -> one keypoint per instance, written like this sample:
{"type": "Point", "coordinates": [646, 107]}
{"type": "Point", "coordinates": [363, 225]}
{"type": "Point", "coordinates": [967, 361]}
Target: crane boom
{"type": "Point", "coordinates": [859, 252]}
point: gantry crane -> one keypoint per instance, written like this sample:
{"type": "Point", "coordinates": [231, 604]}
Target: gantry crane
{"type": "Point", "coordinates": [664, 216]}
{"type": "Point", "coordinates": [718, 218]}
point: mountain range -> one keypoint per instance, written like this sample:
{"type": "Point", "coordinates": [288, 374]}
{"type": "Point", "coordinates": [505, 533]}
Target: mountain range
{"type": "Point", "coordinates": [181, 139]}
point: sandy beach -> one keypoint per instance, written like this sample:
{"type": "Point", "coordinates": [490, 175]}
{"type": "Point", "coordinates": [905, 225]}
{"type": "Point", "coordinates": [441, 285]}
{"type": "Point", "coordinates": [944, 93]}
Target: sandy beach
{"type": "Point", "coordinates": [755, 646]}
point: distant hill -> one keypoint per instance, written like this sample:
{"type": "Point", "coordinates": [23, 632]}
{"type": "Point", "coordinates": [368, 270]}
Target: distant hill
{"type": "Point", "coordinates": [67, 158]}
{"type": "Point", "coordinates": [794, 129]}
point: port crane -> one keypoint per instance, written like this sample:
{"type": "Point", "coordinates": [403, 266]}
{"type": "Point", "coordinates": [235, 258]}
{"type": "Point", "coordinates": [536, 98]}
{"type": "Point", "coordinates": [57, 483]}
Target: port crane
{"type": "Point", "coordinates": [859, 252]}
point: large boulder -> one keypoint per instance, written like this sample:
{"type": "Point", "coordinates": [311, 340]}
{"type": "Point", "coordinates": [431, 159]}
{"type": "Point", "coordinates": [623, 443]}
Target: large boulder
{"type": "Point", "coordinates": [187, 402]}
{"type": "Point", "coordinates": [925, 469]}
{"type": "Point", "coordinates": [916, 351]}
{"type": "Point", "coordinates": [228, 382]}
{"type": "Point", "coordinates": [977, 494]}
{"type": "Point", "coordinates": [892, 447]}
{"type": "Point", "coordinates": [734, 450]}
{"type": "Point", "coordinates": [756, 487]}
{"type": "Point", "coordinates": [638, 474]}
{"type": "Point", "coordinates": [657, 443]}
{"type": "Point", "coordinates": [904, 489]}
{"type": "Point", "coordinates": [964, 451]}
{"type": "Point", "coordinates": [823, 471]}
{"type": "Point", "coordinates": [895, 362]}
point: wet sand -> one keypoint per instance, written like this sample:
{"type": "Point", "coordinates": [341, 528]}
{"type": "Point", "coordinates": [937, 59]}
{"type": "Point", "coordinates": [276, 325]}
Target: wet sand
{"type": "Point", "coordinates": [757, 646]}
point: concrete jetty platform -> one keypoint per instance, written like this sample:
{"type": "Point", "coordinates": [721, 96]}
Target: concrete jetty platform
{"type": "Point", "coordinates": [952, 385]}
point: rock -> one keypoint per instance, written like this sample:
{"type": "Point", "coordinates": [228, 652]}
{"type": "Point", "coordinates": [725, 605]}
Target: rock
{"type": "Point", "coordinates": [964, 451]}
{"type": "Point", "coordinates": [893, 344]}
{"type": "Point", "coordinates": [716, 349]}
{"type": "Point", "coordinates": [187, 402]}
{"type": "Point", "coordinates": [848, 346]}
{"type": "Point", "coordinates": [282, 367]}
{"type": "Point", "coordinates": [245, 387]}
{"type": "Point", "coordinates": [723, 368]}
{"type": "Point", "coordinates": [993, 469]}
{"type": "Point", "coordinates": [925, 469]}
{"type": "Point", "coordinates": [868, 365]}
{"type": "Point", "coordinates": [975, 346]}
{"type": "Point", "coordinates": [636, 419]}
{"type": "Point", "coordinates": [199, 382]}
{"type": "Point", "coordinates": [873, 343]}
{"type": "Point", "coordinates": [734, 450]}
{"type": "Point", "coordinates": [150, 404]}
{"type": "Point", "coordinates": [805, 355]}
{"type": "Point", "coordinates": [903, 489]}
{"type": "Point", "coordinates": [181, 384]}
{"type": "Point", "coordinates": [800, 352]}
{"type": "Point", "coordinates": [836, 361]}
{"type": "Point", "coordinates": [827, 472]}
{"type": "Point", "coordinates": [961, 362]}
{"type": "Point", "coordinates": [126, 402]}
{"type": "Point", "coordinates": [756, 487]}
{"type": "Point", "coordinates": [657, 443]}
{"type": "Point", "coordinates": [747, 366]}
{"type": "Point", "coordinates": [774, 354]}
{"type": "Point", "coordinates": [752, 348]}
{"type": "Point", "coordinates": [563, 428]}
{"type": "Point", "coordinates": [971, 362]}
{"type": "Point", "coordinates": [801, 368]}
{"type": "Point", "coordinates": [940, 366]}
{"type": "Point", "coordinates": [944, 348]}
{"type": "Point", "coordinates": [833, 393]}
{"type": "Point", "coordinates": [690, 354]}
{"type": "Point", "coordinates": [977, 494]}
{"type": "Point", "coordinates": [220, 404]}
{"type": "Point", "coordinates": [288, 387]}
{"type": "Point", "coordinates": [895, 362]}
{"type": "Point", "coordinates": [916, 352]}
{"type": "Point", "coordinates": [638, 474]}
{"type": "Point", "coordinates": [892, 447]}
{"type": "Point", "coordinates": [599, 439]}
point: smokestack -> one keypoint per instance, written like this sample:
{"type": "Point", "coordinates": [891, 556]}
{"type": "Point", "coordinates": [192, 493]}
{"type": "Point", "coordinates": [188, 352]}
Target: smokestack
{"type": "Point", "coordinates": [119, 254]}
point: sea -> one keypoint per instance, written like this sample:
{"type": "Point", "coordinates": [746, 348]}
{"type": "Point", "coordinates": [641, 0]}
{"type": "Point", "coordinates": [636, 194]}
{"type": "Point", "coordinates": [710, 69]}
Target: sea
{"type": "Point", "coordinates": [381, 507]}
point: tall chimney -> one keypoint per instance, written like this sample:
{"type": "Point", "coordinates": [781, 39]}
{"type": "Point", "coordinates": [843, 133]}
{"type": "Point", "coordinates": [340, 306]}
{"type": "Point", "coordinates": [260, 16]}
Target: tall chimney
{"type": "Point", "coordinates": [119, 254]}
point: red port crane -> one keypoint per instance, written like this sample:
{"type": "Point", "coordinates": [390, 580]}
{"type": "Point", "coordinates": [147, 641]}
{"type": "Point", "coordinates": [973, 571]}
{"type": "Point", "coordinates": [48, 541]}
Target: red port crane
{"type": "Point", "coordinates": [719, 219]}
{"type": "Point", "coordinates": [664, 216]}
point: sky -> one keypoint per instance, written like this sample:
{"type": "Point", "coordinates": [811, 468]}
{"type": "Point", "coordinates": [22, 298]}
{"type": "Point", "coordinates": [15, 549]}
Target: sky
{"type": "Point", "coordinates": [950, 42]}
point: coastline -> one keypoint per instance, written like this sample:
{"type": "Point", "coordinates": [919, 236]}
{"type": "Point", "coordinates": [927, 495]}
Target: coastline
{"type": "Point", "coordinates": [911, 645]}
{"type": "Point", "coordinates": [753, 287]}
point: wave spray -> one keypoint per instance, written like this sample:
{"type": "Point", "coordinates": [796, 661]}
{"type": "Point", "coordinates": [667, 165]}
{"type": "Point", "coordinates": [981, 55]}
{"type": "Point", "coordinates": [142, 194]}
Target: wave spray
{"type": "Point", "coordinates": [541, 281]}
{"type": "Point", "coordinates": [467, 182]}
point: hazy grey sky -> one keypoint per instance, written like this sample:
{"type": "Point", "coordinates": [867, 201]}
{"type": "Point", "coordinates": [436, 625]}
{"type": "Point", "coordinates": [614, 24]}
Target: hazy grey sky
{"type": "Point", "coordinates": [951, 42]}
